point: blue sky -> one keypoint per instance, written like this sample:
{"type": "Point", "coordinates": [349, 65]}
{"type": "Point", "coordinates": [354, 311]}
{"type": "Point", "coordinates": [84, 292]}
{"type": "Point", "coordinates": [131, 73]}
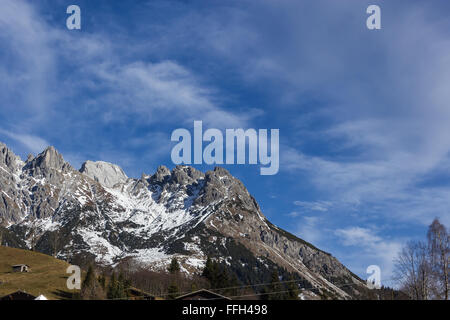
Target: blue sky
{"type": "Point", "coordinates": [363, 115]}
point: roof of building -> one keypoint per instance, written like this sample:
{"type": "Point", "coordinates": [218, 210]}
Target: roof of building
{"type": "Point", "coordinates": [202, 294]}
{"type": "Point", "coordinates": [138, 293]}
{"type": "Point", "coordinates": [18, 295]}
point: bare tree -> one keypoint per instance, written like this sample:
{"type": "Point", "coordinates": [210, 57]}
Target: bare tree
{"type": "Point", "coordinates": [439, 251]}
{"type": "Point", "coordinates": [422, 268]}
{"type": "Point", "coordinates": [413, 270]}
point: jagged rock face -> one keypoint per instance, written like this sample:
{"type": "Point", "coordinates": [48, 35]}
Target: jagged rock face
{"type": "Point", "coordinates": [107, 174]}
{"type": "Point", "coordinates": [8, 159]}
{"type": "Point", "coordinates": [219, 185]}
{"type": "Point", "coordinates": [47, 164]}
{"type": "Point", "coordinates": [161, 175]}
{"type": "Point", "coordinates": [31, 190]}
{"type": "Point", "coordinates": [99, 213]}
{"type": "Point", "coordinates": [10, 166]}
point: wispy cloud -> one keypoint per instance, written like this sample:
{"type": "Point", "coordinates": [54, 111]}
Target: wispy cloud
{"type": "Point", "coordinates": [371, 249]}
{"type": "Point", "coordinates": [314, 205]}
{"type": "Point", "coordinates": [374, 108]}
{"type": "Point", "coordinates": [32, 143]}
{"type": "Point", "coordinates": [310, 229]}
{"type": "Point", "coordinates": [72, 87]}
{"type": "Point", "coordinates": [357, 236]}
{"type": "Point", "coordinates": [161, 91]}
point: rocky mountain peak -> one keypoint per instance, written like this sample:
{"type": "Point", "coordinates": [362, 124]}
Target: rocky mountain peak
{"type": "Point", "coordinates": [7, 157]}
{"type": "Point", "coordinates": [220, 184]}
{"type": "Point", "coordinates": [161, 175]}
{"type": "Point", "coordinates": [220, 176]}
{"type": "Point", "coordinates": [105, 173]}
{"type": "Point", "coordinates": [30, 158]}
{"type": "Point", "coordinates": [49, 159]}
{"type": "Point", "coordinates": [185, 175]}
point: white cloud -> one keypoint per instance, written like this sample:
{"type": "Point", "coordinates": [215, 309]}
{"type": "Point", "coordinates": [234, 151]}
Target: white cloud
{"type": "Point", "coordinates": [369, 248]}
{"type": "Point", "coordinates": [294, 214]}
{"type": "Point", "coordinates": [163, 91]}
{"type": "Point", "coordinates": [322, 206]}
{"type": "Point", "coordinates": [357, 236]}
{"type": "Point", "coordinates": [29, 61]}
{"type": "Point", "coordinates": [32, 143]}
{"type": "Point", "coordinates": [77, 83]}
{"type": "Point", "coordinates": [389, 186]}
{"type": "Point", "coordinates": [381, 100]}
{"type": "Point", "coordinates": [309, 229]}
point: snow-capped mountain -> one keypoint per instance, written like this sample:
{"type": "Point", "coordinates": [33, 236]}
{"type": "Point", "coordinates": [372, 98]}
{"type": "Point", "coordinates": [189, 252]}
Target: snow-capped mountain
{"type": "Point", "coordinates": [99, 213]}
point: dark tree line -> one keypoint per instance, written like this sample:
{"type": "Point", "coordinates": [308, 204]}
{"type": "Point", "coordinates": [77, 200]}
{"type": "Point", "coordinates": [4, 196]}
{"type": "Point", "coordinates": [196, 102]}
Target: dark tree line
{"type": "Point", "coordinates": [226, 283]}
{"type": "Point", "coordinates": [100, 283]}
{"type": "Point", "coordinates": [277, 290]}
{"type": "Point", "coordinates": [97, 285]}
{"type": "Point", "coordinates": [219, 278]}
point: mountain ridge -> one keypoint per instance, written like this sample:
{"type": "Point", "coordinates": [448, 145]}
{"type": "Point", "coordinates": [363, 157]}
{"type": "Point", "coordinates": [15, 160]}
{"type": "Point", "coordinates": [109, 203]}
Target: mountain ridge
{"type": "Point", "coordinates": [98, 213]}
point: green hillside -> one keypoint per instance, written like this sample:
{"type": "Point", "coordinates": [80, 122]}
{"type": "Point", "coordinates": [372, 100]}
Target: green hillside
{"type": "Point", "coordinates": [47, 275]}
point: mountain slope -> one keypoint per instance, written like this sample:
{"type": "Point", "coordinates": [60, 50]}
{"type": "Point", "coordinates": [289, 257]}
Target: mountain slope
{"type": "Point", "coordinates": [47, 275]}
{"type": "Point", "coordinates": [99, 213]}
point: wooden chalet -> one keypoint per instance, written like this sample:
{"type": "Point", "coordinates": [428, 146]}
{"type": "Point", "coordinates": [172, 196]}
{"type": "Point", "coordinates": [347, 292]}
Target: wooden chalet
{"type": "Point", "coordinates": [21, 268]}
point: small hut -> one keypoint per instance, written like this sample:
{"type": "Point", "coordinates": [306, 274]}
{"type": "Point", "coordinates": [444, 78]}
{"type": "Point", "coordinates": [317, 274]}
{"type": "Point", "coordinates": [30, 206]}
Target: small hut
{"type": "Point", "coordinates": [21, 268]}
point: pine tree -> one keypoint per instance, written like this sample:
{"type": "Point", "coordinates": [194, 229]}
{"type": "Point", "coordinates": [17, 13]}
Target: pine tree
{"type": "Point", "coordinates": [265, 293]}
{"type": "Point", "coordinates": [120, 290]}
{"type": "Point", "coordinates": [173, 291]}
{"type": "Point", "coordinates": [233, 284]}
{"type": "Point", "coordinates": [111, 293]}
{"type": "Point", "coordinates": [274, 287]}
{"type": "Point", "coordinates": [223, 279]}
{"type": "Point", "coordinates": [117, 288]}
{"type": "Point", "coordinates": [90, 277]}
{"type": "Point", "coordinates": [102, 280]}
{"type": "Point", "coordinates": [212, 273]}
{"type": "Point", "coordinates": [292, 288]}
{"type": "Point", "coordinates": [207, 270]}
{"type": "Point", "coordinates": [174, 267]}
{"type": "Point", "coordinates": [91, 289]}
